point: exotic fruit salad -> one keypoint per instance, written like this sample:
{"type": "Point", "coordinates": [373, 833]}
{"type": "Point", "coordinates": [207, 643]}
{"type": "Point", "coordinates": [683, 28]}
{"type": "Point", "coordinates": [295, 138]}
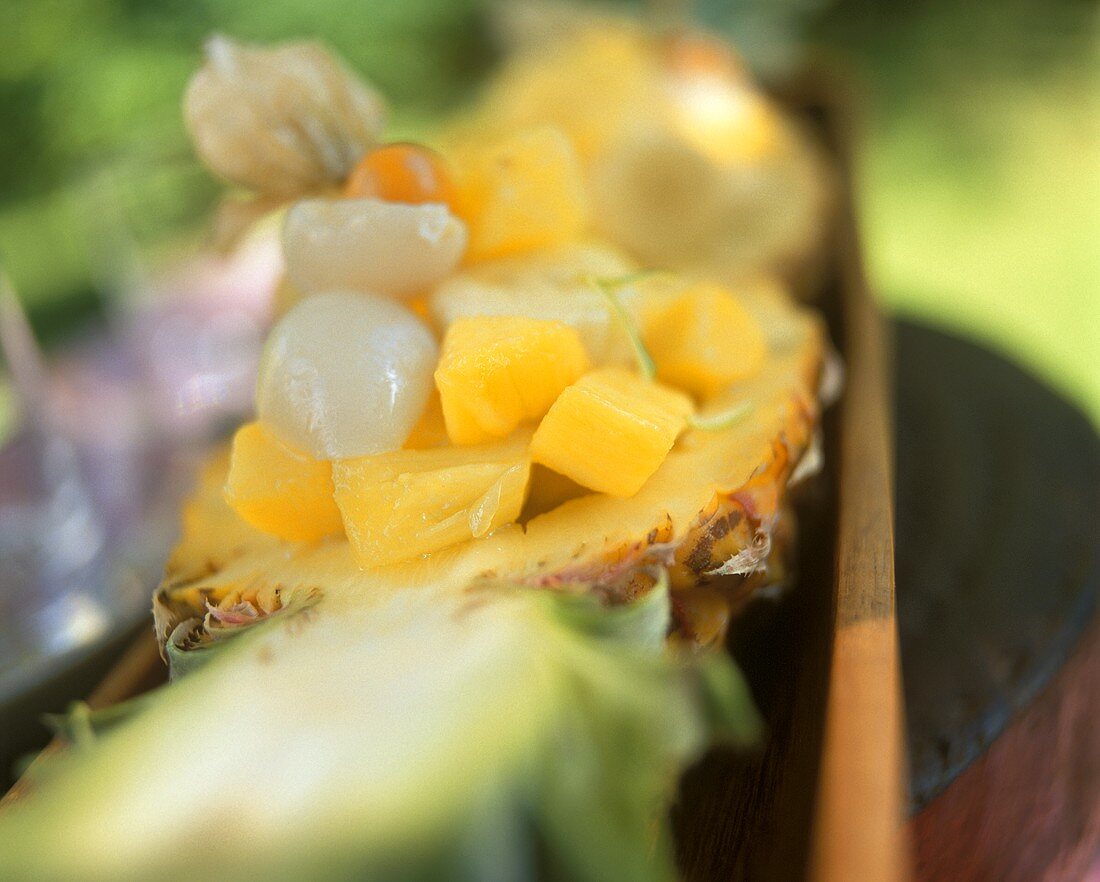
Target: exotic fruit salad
{"type": "Point", "coordinates": [452, 605]}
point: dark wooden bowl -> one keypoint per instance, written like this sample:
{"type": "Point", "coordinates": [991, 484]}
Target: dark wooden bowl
{"type": "Point", "coordinates": [998, 574]}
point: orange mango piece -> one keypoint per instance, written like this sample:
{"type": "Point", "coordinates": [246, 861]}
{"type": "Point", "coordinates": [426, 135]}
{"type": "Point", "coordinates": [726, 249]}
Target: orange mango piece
{"type": "Point", "coordinates": [279, 490]}
{"type": "Point", "coordinates": [520, 194]}
{"type": "Point", "coordinates": [496, 372]}
{"type": "Point", "coordinates": [610, 431]}
{"type": "Point", "coordinates": [705, 341]}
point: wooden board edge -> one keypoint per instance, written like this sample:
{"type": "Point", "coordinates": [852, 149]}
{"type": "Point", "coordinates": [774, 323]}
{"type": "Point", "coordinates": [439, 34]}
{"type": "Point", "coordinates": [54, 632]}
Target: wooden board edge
{"type": "Point", "coordinates": [858, 831]}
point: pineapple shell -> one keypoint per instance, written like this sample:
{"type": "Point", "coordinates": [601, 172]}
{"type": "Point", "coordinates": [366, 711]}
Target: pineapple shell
{"type": "Point", "coordinates": [709, 511]}
{"type": "Point", "coordinates": [400, 724]}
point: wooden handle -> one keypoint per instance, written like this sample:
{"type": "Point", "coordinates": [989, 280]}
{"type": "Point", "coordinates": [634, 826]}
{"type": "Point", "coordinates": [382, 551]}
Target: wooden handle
{"type": "Point", "coordinates": [859, 812]}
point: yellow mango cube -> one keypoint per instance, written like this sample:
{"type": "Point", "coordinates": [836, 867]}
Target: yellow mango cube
{"type": "Point", "coordinates": [399, 505]}
{"type": "Point", "coordinates": [278, 489]}
{"type": "Point", "coordinates": [523, 193]}
{"type": "Point", "coordinates": [705, 341]}
{"type": "Point", "coordinates": [610, 430]}
{"type": "Point", "coordinates": [496, 372]}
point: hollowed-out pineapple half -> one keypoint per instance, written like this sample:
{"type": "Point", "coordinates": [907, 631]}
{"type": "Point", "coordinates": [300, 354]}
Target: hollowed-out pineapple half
{"type": "Point", "coordinates": [707, 515]}
{"type": "Point", "coordinates": [509, 706]}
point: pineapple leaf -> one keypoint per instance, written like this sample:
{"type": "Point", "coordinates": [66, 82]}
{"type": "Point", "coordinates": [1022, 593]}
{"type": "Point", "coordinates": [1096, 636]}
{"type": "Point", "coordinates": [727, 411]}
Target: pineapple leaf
{"type": "Point", "coordinates": [80, 724]}
{"type": "Point", "coordinates": [643, 622]}
{"type": "Point", "coordinates": [413, 734]}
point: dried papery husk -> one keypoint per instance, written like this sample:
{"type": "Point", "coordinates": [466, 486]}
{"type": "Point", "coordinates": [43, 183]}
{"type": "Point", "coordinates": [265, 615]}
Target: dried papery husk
{"type": "Point", "coordinates": [287, 120]}
{"type": "Point", "coordinates": [236, 215]}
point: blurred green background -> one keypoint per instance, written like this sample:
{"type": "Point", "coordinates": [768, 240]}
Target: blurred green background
{"type": "Point", "coordinates": [979, 173]}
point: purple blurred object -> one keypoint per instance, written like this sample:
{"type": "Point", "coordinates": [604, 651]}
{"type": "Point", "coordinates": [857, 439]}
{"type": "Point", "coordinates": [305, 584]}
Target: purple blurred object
{"type": "Point", "coordinates": [198, 336]}
{"type": "Point", "coordinates": [110, 436]}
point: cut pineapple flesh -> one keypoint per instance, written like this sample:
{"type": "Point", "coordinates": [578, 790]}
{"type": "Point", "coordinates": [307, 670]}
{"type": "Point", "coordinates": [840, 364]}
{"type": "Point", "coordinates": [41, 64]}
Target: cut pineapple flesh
{"type": "Point", "coordinates": [498, 371]}
{"type": "Point", "coordinates": [521, 194]}
{"type": "Point", "coordinates": [279, 490]}
{"type": "Point", "coordinates": [610, 431]}
{"type": "Point", "coordinates": [400, 505]}
{"type": "Point", "coordinates": [687, 166]}
{"type": "Point", "coordinates": [555, 284]}
{"type": "Point", "coordinates": [705, 341]}
{"type": "Point", "coordinates": [592, 82]}
{"type": "Point", "coordinates": [690, 500]}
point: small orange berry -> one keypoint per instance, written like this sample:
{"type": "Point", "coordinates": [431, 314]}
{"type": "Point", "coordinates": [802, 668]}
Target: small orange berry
{"type": "Point", "coordinates": [693, 53]}
{"type": "Point", "coordinates": [401, 173]}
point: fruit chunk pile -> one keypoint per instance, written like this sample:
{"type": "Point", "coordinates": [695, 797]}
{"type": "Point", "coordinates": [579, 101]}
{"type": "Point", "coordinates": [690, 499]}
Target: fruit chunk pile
{"type": "Point", "coordinates": [501, 473]}
{"type": "Point", "coordinates": [454, 318]}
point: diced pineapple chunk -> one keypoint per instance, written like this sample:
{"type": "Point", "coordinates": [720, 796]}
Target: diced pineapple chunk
{"type": "Point", "coordinates": [280, 490]}
{"type": "Point", "coordinates": [610, 430]}
{"type": "Point", "coordinates": [523, 193]}
{"type": "Point", "coordinates": [399, 505]}
{"type": "Point", "coordinates": [553, 284]}
{"type": "Point", "coordinates": [498, 371]}
{"type": "Point", "coordinates": [704, 341]}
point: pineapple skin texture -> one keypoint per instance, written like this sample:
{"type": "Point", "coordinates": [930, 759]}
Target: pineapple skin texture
{"type": "Point", "coordinates": [498, 371]}
{"type": "Point", "coordinates": [399, 505]}
{"type": "Point", "coordinates": [279, 490]}
{"type": "Point", "coordinates": [610, 431]}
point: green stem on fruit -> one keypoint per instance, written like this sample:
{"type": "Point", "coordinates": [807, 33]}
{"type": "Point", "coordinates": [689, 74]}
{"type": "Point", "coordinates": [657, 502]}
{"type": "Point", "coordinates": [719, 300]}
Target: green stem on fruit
{"type": "Point", "coordinates": [610, 290]}
{"type": "Point", "coordinates": [722, 420]}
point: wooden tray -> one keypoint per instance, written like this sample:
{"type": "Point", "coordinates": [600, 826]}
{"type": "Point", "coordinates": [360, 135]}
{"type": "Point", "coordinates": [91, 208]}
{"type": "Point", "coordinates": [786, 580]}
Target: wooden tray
{"type": "Point", "coordinates": [825, 799]}
{"type": "Point", "coordinates": [861, 798]}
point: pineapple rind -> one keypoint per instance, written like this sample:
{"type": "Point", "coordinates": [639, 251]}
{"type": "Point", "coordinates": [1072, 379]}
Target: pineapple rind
{"type": "Point", "coordinates": [399, 737]}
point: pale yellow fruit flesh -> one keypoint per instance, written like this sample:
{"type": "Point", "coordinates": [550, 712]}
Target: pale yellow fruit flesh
{"type": "Point", "coordinates": [279, 490]}
{"type": "Point", "coordinates": [496, 372]}
{"type": "Point", "coordinates": [400, 505]}
{"type": "Point", "coordinates": [522, 193]}
{"type": "Point", "coordinates": [610, 431]}
{"type": "Point", "coordinates": [581, 538]}
{"type": "Point", "coordinates": [705, 341]}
